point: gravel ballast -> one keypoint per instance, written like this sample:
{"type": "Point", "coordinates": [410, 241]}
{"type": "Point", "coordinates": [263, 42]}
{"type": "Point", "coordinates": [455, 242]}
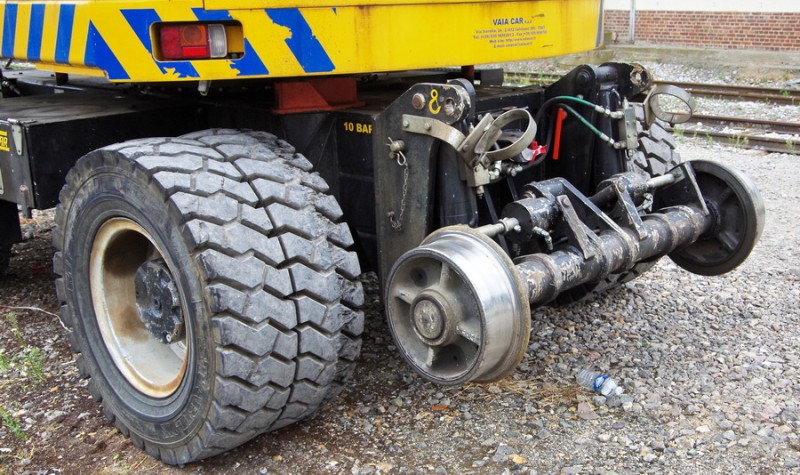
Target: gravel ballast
{"type": "Point", "coordinates": [709, 366]}
{"type": "Point", "coordinates": [710, 369]}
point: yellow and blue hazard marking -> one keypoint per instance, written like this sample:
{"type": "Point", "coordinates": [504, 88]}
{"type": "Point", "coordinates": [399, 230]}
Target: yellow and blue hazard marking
{"type": "Point", "coordinates": [115, 38]}
{"type": "Point", "coordinates": [66, 18]}
{"type": "Point", "coordinates": [304, 45]}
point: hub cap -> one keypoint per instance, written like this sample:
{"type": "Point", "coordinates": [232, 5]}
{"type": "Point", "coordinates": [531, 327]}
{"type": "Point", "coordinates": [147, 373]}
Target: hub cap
{"type": "Point", "coordinates": [158, 302]}
{"type": "Point", "coordinates": [428, 319]}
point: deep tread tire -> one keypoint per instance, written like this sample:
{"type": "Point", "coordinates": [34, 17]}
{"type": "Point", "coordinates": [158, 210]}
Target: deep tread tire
{"type": "Point", "coordinates": [654, 156]}
{"type": "Point", "coordinates": [275, 322]}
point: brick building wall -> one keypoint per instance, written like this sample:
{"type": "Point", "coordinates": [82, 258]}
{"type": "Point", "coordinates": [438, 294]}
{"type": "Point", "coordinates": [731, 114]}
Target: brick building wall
{"type": "Point", "coordinates": [774, 31]}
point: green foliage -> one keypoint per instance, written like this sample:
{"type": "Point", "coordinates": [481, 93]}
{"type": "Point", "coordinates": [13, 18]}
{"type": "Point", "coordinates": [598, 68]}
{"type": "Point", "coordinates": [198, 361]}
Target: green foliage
{"type": "Point", "coordinates": [11, 424]}
{"type": "Point", "coordinates": [32, 359]}
{"type": "Point", "coordinates": [11, 319]}
{"type": "Point", "coordinates": [28, 360]}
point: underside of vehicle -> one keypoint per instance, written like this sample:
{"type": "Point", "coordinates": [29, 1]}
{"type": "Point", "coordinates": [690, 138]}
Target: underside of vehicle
{"type": "Point", "coordinates": [223, 172]}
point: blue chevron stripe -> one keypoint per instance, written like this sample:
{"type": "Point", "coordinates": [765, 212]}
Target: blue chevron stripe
{"type": "Point", "coordinates": [9, 30]}
{"type": "Point", "coordinates": [140, 20]}
{"type": "Point", "coordinates": [250, 63]}
{"type": "Point", "coordinates": [35, 32]}
{"type": "Point", "coordinates": [305, 47]}
{"type": "Point", "coordinates": [213, 15]}
{"type": "Point", "coordinates": [99, 54]}
{"type": "Point", "coordinates": [66, 19]}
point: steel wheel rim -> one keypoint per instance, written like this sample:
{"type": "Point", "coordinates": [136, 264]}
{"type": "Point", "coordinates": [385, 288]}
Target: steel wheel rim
{"type": "Point", "coordinates": [456, 355]}
{"type": "Point", "coordinates": [152, 367]}
{"type": "Point", "coordinates": [465, 276]}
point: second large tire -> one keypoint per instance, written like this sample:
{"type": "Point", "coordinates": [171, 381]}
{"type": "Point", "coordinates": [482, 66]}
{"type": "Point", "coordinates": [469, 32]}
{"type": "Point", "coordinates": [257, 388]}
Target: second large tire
{"type": "Point", "coordinates": [239, 237]}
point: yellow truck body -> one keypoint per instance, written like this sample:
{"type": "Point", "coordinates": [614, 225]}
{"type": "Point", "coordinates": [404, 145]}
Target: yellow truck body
{"type": "Point", "coordinates": [294, 38]}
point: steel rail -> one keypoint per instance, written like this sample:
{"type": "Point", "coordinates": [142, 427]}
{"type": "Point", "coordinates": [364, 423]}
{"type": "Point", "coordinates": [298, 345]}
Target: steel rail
{"type": "Point", "coordinates": [719, 91]}
{"type": "Point", "coordinates": [734, 92]}
{"type": "Point", "coordinates": [775, 126]}
{"type": "Point", "coordinates": [790, 145]}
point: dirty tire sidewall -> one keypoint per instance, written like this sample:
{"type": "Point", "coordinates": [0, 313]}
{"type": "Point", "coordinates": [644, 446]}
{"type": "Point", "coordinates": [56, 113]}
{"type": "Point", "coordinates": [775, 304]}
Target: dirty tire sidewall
{"type": "Point", "coordinates": [111, 191]}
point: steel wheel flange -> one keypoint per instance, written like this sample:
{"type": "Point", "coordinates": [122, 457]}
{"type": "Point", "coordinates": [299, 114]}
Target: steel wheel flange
{"type": "Point", "coordinates": [457, 308]}
{"type": "Point", "coordinates": [738, 212]}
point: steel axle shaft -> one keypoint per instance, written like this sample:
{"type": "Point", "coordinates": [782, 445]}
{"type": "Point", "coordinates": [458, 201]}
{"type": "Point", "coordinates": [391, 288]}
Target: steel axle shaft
{"type": "Point", "coordinates": [547, 275]}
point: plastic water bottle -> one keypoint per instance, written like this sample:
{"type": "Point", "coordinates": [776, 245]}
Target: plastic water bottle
{"type": "Point", "coordinates": [598, 382]}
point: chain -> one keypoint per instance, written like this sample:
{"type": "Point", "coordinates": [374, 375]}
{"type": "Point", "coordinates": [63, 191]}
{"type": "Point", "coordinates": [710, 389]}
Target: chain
{"type": "Point", "coordinates": [397, 224]}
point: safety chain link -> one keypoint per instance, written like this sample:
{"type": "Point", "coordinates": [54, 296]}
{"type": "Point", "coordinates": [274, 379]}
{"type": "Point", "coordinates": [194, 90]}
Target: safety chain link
{"type": "Point", "coordinates": [400, 158]}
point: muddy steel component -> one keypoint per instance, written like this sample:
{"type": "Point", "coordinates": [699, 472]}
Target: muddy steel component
{"type": "Point", "coordinates": [704, 202]}
{"type": "Point", "coordinates": [209, 288]}
{"type": "Point", "coordinates": [654, 155]}
{"type": "Point", "coordinates": [157, 301]}
{"type": "Point", "coordinates": [739, 210]}
{"type": "Point", "coordinates": [442, 292]}
{"type": "Point", "coordinates": [455, 304]}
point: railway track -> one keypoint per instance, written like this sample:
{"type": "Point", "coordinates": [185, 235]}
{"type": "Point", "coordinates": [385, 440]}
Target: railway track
{"type": "Point", "coordinates": [767, 143]}
{"type": "Point", "coordinates": [740, 93]}
{"type": "Point", "coordinates": [712, 91]}
{"type": "Point", "coordinates": [744, 132]}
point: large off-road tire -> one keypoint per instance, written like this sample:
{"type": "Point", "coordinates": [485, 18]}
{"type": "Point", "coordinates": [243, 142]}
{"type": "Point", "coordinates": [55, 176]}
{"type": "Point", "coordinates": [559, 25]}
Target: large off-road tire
{"type": "Point", "coordinates": [655, 156]}
{"type": "Point", "coordinates": [229, 235]}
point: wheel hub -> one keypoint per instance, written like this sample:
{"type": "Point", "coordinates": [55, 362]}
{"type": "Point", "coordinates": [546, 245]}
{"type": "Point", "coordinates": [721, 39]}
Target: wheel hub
{"type": "Point", "coordinates": [158, 301]}
{"type": "Point", "coordinates": [428, 319]}
{"type": "Point", "coordinates": [434, 318]}
{"type": "Point", "coordinates": [456, 308]}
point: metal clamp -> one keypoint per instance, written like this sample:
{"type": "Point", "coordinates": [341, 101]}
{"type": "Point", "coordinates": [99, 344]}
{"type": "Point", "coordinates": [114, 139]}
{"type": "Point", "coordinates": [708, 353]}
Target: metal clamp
{"type": "Point", "coordinates": [475, 147]}
{"type": "Point", "coordinates": [495, 131]}
{"type": "Point", "coordinates": [653, 108]}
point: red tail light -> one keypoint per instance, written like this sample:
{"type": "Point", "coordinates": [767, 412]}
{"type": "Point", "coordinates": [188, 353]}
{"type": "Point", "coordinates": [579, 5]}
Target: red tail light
{"type": "Point", "coordinates": [192, 41]}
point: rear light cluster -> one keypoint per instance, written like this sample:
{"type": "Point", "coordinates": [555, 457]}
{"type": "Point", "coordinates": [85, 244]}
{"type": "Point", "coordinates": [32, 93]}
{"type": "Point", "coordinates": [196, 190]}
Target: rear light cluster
{"type": "Point", "coordinates": [192, 41]}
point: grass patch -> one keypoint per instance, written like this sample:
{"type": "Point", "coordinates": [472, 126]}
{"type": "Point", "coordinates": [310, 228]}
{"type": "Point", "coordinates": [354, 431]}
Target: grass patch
{"type": "Point", "coordinates": [11, 424]}
{"type": "Point", "coordinates": [28, 360]}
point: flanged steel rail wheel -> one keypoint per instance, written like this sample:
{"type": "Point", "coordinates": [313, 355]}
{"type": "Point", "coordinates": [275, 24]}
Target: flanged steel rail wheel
{"type": "Point", "coordinates": [457, 309]}
{"type": "Point", "coordinates": [209, 286]}
{"type": "Point", "coordinates": [732, 197]}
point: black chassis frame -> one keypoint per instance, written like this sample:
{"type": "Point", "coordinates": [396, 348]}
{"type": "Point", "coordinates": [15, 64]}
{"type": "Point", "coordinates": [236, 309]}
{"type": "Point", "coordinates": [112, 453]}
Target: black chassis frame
{"type": "Point", "coordinates": [57, 124]}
